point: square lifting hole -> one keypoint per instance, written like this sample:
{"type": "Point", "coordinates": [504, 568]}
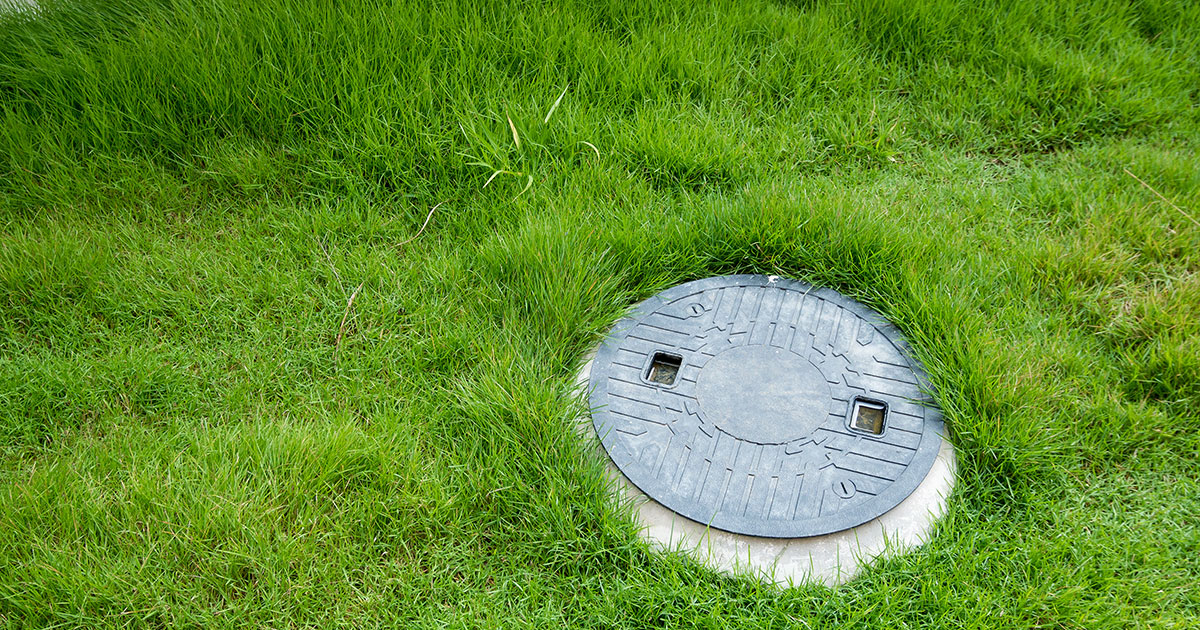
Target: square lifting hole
{"type": "Point", "coordinates": [868, 416]}
{"type": "Point", "coordinates": [664, 368]}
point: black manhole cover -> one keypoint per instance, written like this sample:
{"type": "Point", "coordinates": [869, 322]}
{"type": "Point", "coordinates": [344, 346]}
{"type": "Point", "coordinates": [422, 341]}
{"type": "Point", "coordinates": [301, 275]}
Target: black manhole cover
{"type": "Point", "coordinates": [764, 406]}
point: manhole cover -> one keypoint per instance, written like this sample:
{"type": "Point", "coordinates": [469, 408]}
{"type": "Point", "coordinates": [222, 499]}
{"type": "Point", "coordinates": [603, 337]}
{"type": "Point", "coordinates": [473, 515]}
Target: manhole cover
{"type": "Point", "coordinates": [764, 406]}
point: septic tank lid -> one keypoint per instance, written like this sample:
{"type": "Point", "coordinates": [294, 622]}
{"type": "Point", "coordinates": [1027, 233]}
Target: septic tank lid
{"type": "Point", "coordinates": [764, 406]}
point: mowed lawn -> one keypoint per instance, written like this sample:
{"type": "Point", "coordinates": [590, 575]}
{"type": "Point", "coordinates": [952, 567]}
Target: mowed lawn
{"type": "Point", "coordinates": [292, 296]}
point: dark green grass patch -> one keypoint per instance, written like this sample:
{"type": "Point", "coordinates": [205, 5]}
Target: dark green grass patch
{"type": "Point", "coordinates": [292, 297]}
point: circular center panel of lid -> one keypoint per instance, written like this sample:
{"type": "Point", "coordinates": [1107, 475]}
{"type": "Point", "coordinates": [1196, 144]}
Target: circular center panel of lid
{"type": "Point", "coordinates": [762, 394]}
{"type": "Point", "coordinates": [764, 406]}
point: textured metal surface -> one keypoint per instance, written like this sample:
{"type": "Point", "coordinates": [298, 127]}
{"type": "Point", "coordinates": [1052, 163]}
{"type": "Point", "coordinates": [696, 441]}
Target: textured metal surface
{"type": "Point", "coordinates": [732, 401]}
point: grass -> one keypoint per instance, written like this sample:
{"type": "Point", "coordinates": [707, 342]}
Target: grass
{"type": "Point", "coordinates": [249, 375]}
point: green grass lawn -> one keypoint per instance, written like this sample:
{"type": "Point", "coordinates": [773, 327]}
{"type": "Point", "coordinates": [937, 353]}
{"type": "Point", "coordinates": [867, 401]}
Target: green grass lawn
{"type": "Point", "coordinates": [292, 295]}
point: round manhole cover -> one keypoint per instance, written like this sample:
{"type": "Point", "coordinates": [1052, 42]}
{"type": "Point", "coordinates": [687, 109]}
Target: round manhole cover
{"type": "Point", "coordinates": [764, 406]}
